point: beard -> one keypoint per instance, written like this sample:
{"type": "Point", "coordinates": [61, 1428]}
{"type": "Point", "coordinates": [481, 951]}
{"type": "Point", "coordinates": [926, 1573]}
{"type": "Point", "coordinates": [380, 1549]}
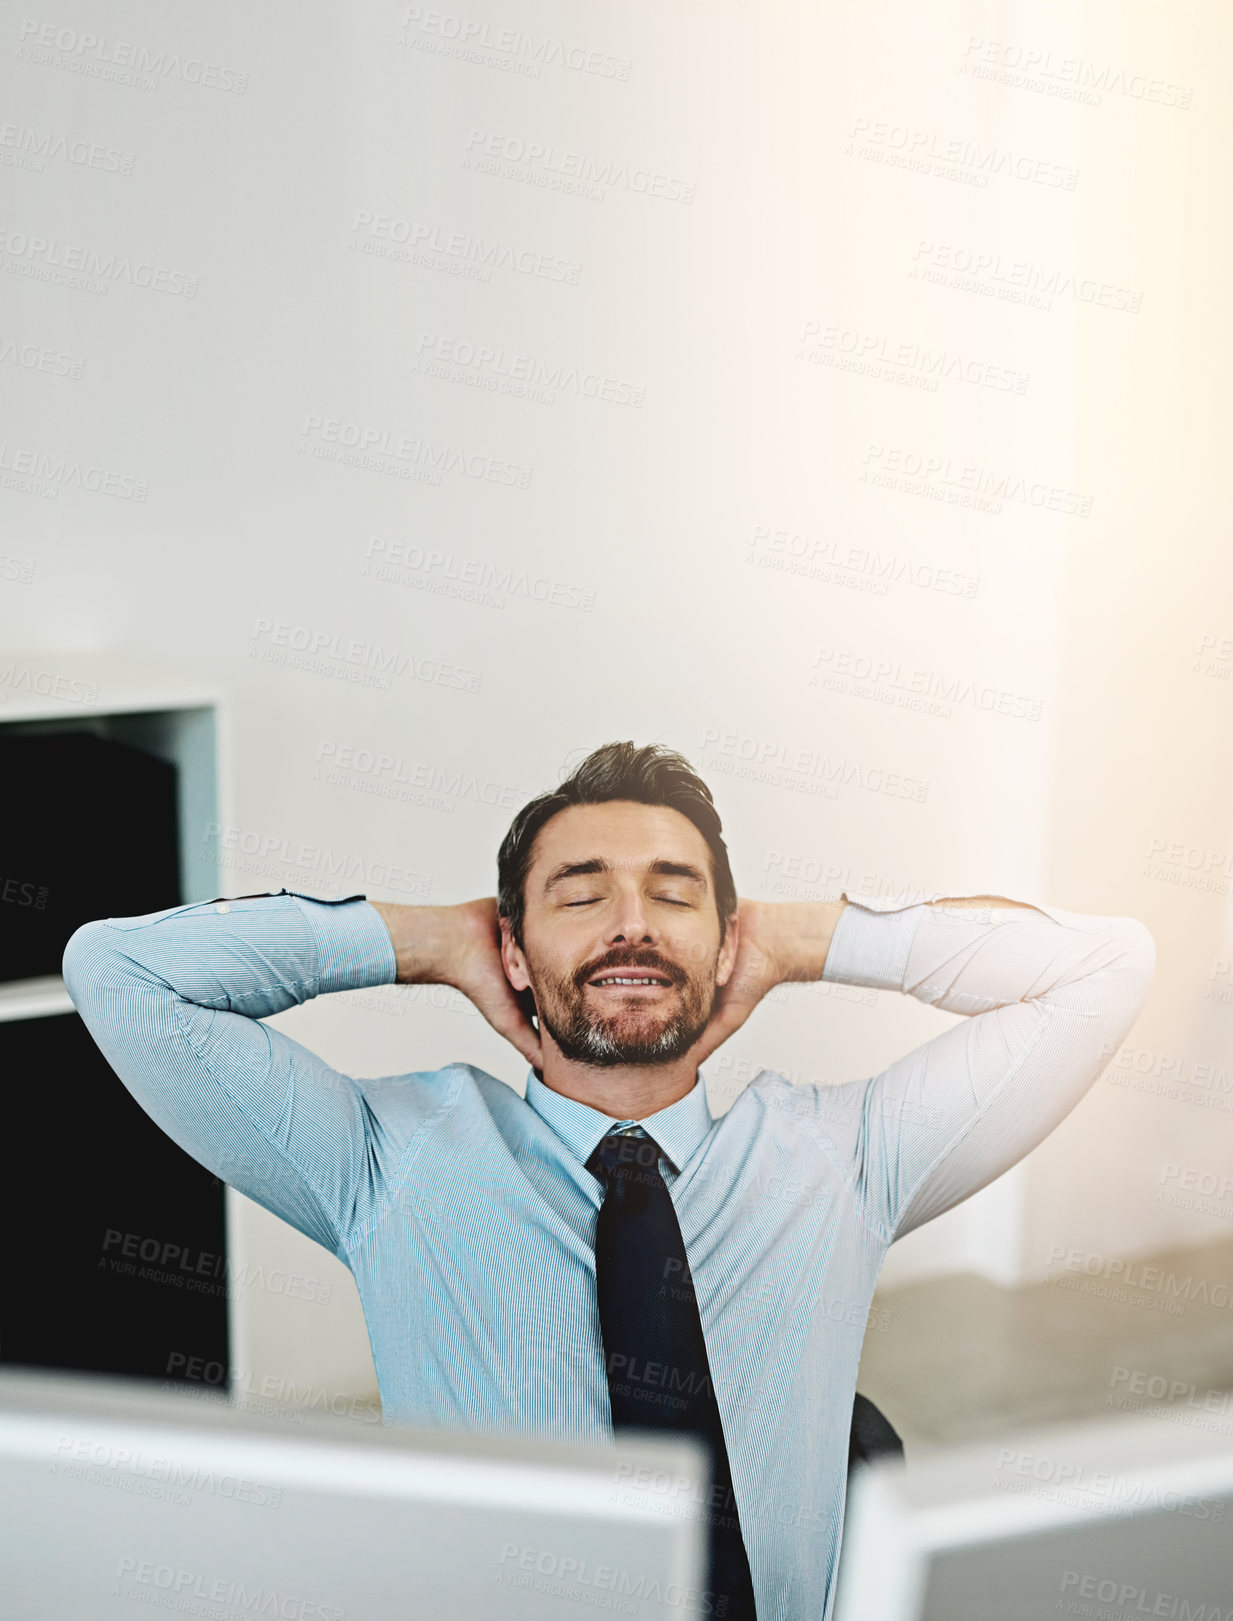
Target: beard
{"type": "Point", "coordinates": [631, 1035]}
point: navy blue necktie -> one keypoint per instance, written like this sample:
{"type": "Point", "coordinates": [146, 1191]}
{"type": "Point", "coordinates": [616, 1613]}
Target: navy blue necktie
{"type": "Point", "coordinates": [659, 1377]}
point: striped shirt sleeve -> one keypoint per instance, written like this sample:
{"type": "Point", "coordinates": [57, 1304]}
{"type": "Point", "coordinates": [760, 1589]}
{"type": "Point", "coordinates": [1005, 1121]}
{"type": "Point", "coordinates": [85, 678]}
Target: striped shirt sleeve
{"type": "Point", "coordinates": [174, 1000]}
{"type": "Point", "coordinates": [1049, 995]}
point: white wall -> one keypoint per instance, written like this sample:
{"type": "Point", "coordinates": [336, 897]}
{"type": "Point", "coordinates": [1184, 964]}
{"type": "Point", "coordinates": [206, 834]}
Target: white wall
{"type": "Point", "coordinates": [773, 194]}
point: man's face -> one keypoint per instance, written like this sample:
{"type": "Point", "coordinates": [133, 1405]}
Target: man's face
{"type": "Point", "coordinates": [620, 936]}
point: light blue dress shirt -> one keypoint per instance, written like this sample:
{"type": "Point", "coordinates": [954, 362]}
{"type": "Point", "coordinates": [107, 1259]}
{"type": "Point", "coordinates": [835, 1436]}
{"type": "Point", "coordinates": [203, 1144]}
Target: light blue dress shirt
{"type": "Point", "coordinates": [467, 1215]}
{"type": "Point", "coordinates": [678, 1129]}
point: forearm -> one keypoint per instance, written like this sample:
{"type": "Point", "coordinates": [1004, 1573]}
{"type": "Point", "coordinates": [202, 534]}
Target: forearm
{"type": "Point", "coordinates": [425, 941]}
{"type": "Point", "coordinates": [258, 955]}
{"type": "Point", "coordinates": [1047, 998]}
{"type": "Point", "coordinates": [802, 935]}
{"type": "Point", "coordinates": [175, 1004]}
{"type": "Point", "coordinates": [966, 954]}
{"type": "Point", "coordinates": [997, 901]}
{"type": "Point", "coordinates": [805, 929]}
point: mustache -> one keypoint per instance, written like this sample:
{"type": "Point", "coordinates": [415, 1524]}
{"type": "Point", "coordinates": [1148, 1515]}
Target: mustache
{"type": "Point", "coordinates": [631, 957]}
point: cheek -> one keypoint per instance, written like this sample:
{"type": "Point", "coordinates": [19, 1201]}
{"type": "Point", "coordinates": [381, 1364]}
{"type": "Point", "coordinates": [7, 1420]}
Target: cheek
{"type": "Point", "coordinates": [696, 953]}
{"type": "Point", "coordinates": [551, 959]}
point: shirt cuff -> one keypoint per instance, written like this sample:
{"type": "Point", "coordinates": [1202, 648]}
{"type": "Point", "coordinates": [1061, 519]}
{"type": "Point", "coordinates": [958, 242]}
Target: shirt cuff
{"type": "Point", "coordinates": [354, 949]}
{"type": "Point", "coordinates": [872, 942]}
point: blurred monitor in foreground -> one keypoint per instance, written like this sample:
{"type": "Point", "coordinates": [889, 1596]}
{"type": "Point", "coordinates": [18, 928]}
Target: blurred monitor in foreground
{"type": "Point", "coordinates": [121, 1502]}
{"type": "Point", "coordinates": [1119, 1519]}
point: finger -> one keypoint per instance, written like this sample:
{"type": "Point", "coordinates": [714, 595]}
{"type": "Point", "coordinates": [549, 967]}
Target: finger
{"type": "Point", "coordinates": [527, 1043]}
{"type": "Point", "coordinates": [524, 1040]}
{"type": "Point", "coordinates": [509, 1021]}
{"type": "Point", "coordinates": [528, 1050]}
{"type": "Point", "coordinates": [726, 1021]}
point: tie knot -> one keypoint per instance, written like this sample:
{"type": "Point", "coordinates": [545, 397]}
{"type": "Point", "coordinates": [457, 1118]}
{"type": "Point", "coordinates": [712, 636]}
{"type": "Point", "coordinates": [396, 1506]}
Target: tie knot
{"type": "Point", "coordinates": [622, 1157]}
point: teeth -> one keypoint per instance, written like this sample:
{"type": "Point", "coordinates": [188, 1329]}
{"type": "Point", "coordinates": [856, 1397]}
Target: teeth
{"type": "Point", "coordinates": [615, 980]}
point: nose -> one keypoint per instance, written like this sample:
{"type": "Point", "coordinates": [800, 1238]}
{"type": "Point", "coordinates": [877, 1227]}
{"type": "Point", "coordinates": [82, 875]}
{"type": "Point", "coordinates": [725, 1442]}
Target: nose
{"type": "Point", "coordinates": [630, 924]}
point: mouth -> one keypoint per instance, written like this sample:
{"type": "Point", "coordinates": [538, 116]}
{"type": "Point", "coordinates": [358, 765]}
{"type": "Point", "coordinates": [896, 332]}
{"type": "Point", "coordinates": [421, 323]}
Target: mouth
{"type": "Point", "coordinates": [630, 979]}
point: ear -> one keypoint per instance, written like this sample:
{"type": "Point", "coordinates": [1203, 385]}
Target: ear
{"type": "Point", "coordinates": [512, 959]}
{"type": "Point", "coordinates": [726, 961]}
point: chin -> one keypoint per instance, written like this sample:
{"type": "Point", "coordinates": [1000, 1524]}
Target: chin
{"type": "Point", "coordinates": [657, 1043]}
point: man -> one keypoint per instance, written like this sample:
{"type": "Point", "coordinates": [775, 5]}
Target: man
{"type": "Point", "coordinates": [603, 1252]}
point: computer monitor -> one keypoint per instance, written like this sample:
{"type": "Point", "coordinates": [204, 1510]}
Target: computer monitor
{"type": "Point", "coordinates": [1119, 1519]}
{"type": "Point", "coordinates": [116, 1501]}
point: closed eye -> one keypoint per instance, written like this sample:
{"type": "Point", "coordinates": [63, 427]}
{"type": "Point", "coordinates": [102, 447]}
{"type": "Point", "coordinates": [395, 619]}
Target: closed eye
{"type": "Point", "coordinates": [671, 900]}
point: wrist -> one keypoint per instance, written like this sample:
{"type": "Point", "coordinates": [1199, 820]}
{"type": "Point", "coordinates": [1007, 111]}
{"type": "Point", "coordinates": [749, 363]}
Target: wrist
{"type": "Point", "coordinates": [425, 941]}
{"type": "Point", "coordinates": [802, 938]}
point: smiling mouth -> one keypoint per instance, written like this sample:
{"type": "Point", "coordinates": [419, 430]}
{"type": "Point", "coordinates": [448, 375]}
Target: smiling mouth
{"type": "Point", "coordinates": [634, 980]}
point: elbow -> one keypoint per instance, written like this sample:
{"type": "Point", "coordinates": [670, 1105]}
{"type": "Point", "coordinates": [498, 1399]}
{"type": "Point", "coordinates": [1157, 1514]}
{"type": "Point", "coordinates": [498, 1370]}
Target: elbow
{"type": "Point", "coordinates": [1138, 956]}
{"type": "Point", "coordinates": [85, 957]}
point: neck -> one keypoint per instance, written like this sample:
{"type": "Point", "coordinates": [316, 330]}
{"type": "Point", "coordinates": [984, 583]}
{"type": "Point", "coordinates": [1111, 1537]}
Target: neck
{"type": "Point", "coordinates": [624, 1091]}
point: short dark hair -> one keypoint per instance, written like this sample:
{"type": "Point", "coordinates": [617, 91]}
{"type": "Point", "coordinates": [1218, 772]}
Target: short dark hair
{"type": "Point", "coordinates": [651, 775]}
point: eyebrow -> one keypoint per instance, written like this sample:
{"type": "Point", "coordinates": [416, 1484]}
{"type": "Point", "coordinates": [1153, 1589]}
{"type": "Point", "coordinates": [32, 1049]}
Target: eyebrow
{"type": "Point", "coordinates": [597, 864]}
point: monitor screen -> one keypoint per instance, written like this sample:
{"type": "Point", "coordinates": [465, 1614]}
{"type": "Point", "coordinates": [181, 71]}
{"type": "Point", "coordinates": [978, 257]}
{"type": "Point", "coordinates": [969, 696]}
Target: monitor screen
{"type": "Point", "coordinates": [1119, 1519]}
{"type": "Point", "coordinates": [117, 1501]}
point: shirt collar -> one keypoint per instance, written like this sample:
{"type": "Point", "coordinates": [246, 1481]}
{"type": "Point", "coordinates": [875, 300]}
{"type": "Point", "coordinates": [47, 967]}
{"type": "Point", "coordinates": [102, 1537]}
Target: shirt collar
{"type": "Point", "coordinates": [679, 1129]}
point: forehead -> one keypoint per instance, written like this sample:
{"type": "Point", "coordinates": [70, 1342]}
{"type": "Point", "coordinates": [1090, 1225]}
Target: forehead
{"type": "Point", "coordinates": [625, 835]}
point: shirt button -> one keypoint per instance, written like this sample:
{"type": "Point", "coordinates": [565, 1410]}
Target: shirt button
{"type": "Point", "coordinates": [222, 907]}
